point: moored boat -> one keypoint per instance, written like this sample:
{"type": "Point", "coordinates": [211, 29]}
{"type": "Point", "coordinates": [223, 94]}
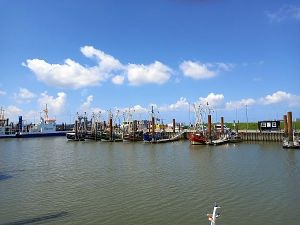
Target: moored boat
{"type": "Point", "coordinates": [45, 128]}
{"type": "Point", "coordinates": [198, 138]}
{"type": "Point", "coordinates": [294, 144]}
{"type": "Point", "coordinates": [133, 136]}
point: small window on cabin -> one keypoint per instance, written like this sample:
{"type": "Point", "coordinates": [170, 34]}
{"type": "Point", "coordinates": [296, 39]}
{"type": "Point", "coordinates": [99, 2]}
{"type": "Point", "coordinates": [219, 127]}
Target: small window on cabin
{"type": "Point", "coordinates": [268, 124]}
{"type": "Point", "coordinates": [263, 124]}
{"type": "Point", "coordinates": [274, 124]}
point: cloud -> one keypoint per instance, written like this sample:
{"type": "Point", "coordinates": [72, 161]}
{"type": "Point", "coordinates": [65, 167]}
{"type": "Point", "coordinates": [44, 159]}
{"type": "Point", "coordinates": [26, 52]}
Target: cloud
{"type": "Point", "coordinates": [155, 73]}
{"type": "Point", "coordinates": [286, 12]}
{"type": "Point", "coordinates": [85, 107]}
{"type": "Point", "coordinates": [181, 104]}
{"type": "Point", "coordinates": [68, 75]}
{"type": "Point", "coordinates": [55, 105]}
{"type": "Point", "coordinates": [281, 97]}
{"type": "Point", "coordinates": [106, 62]}
{"type": "Point", "coordinates": [2, 93]}
{"type": "Point", "coordinates": [198, 71]}
{"type": "Point", "coordinates": [139, 109]}
{"type": "Point", "coordinates": [212, 99]}
{"type": "Point", "coordinates": [13, 112]}
{"type": "Point", "coordinates": [72, 74]}
{"type": "Point", "coordinates": [239, 104]}
{"type": "Point", "coordinates": [134, 109]}
{"type": "Point", "coordinates": [119, 80]}
{"type": "Point", "coordinates": [24, 95]}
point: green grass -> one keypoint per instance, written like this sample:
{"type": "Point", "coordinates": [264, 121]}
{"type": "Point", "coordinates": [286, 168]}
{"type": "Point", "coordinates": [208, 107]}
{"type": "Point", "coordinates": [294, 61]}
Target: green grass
{"type": "Point", "coordinates": [253, 126]}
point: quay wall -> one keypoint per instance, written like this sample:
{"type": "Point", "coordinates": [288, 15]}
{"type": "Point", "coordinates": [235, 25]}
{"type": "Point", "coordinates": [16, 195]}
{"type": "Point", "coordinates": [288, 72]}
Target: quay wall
{"type": "Point", "coordinates": [262, 136]}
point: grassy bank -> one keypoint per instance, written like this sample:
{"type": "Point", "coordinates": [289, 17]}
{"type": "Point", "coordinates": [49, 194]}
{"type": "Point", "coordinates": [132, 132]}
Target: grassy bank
{"type": "Point", "coordinates": [253, 126]}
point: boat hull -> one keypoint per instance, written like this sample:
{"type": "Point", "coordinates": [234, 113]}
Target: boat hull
{"type": "Point", "coordinates": [133, 136]}
{"type": "Point", "coordinates": [33, 135]}
{"type": "Point", "coordinates": [197, 139]}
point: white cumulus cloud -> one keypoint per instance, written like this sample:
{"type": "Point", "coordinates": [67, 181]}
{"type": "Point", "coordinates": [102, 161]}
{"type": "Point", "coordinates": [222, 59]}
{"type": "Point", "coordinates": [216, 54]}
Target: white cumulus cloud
{"type": "Point", "coordinates": [198, 71]}
{"type": "Point", "coordinates": [155, 73]}
{"type": "Point", "coordinates": [139, 109]}
{"type": "Point", "coordinates": [231, 105]}
{"type": "Point", "coordinates": [212, 99]}
{"type": "Point", "coordinates": [85, 106]}
{"type": "Point", "coordinates": [72, 74]}
{"type": "Point", "coordinates": [281, 97]}
{"type": "Point", "coordinates": [13, 112]}
{"type": "Point", "coordinates": [134, 109]}
{"type": "Point", "coordinates": [181, 104]}
{"type": "Point", "coordinates": [68, 75]}
{"type": "Point", "coordinates": [119, 80]}
{"type": "Point", "coordinates": [24, 95]}
{"type": "Point", "coordinates": [55, 105]}
{"type": "Point", "coordinates": [106, 62]}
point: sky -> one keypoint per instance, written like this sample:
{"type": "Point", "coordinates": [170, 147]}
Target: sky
{"type": "Point", "coordinates": [242, 58]}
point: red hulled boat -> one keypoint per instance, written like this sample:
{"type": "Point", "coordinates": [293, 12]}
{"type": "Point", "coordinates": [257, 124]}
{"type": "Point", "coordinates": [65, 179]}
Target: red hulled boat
{"type": "Point", "coordinates": [197, 138]}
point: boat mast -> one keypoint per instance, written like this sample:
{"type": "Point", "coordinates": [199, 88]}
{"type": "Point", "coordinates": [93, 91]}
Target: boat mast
{"type": "Point", "coordinates": [1, 114]}
{"type": "Point", "coordinates": [46, 112]}
{"type": "Point", "coordinates": [153, 124]}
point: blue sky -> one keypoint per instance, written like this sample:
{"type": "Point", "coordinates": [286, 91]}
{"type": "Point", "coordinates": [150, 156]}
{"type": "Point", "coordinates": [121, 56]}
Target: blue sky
{"type": "Point", "coordinates": [79, 56]}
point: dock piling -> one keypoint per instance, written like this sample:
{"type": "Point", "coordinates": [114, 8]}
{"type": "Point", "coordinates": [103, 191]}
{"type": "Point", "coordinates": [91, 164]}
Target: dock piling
{"type": "Point", "coordinates": [174, 124]}
{"type": "Point", "coordinates": [209, 126]}
{"type": "Point", "coordinates": [290, 126]}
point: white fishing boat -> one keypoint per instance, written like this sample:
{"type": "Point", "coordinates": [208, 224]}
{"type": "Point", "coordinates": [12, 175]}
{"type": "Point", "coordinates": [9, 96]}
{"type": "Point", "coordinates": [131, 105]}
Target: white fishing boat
{"type": "Point", "coordinates": [46, 127]}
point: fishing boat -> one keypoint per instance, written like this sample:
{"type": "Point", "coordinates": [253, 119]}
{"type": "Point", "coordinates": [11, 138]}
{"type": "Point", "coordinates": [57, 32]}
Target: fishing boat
{"type": "Point", "coordinates": [234, 137]}
{"type": "Point", "coordinates": [162, 137]}
{"type": "Point", "coordinates": [133, 136]}
{"type": "Point", "coordinates": [291, 144]}
{"type": "Point", "coordinates": [133, 130]}
{"type": "Point", "coordinates": [213, 217]}
{"type": "Point", "coordinates": [198, 138]}
{"type": "Point", "coordinates": [45, 128]}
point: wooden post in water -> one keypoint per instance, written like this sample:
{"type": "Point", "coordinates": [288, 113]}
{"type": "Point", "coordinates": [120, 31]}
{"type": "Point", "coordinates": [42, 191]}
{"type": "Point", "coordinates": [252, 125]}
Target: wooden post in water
{"type": "Point", "coordinates": [153, 127]}
{"type": "Point", "coordinates": [110, 129]}
{"type": "Point", "coordinates": [222, 125]}
{"type": "Point", "coordinates": [149, 126]}
{"type": "Point", "coordinates": [95, 131]}
{"type": "Point", "coordinates": [285, 125]}
{"type": "Point", "coordinates": [209, 126]}
{"type": "Point", "coordinates": [174, 124]}
{"type": "Point", "coordinates": [76, 129]}
{"type": "Point", "coordinates": [290, 126]}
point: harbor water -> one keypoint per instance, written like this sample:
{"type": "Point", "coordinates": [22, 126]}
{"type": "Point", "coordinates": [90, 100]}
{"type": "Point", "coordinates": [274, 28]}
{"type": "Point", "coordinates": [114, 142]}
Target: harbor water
{"type": "Point", "coordinates": [53, 181]}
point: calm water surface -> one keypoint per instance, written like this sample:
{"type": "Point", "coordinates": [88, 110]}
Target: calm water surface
{"type": "Point", "coordinates": [52, 181]}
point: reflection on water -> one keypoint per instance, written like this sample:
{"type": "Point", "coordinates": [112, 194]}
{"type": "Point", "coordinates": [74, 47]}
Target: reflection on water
{"type": "Point", "coordinates": [137, 183]}
{"type": "Point", "coordinates": [38, 219]}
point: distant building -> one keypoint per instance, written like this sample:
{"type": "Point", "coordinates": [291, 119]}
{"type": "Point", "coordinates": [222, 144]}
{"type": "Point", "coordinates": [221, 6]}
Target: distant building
{"type": "Point", "coordinates": [269, 125]}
